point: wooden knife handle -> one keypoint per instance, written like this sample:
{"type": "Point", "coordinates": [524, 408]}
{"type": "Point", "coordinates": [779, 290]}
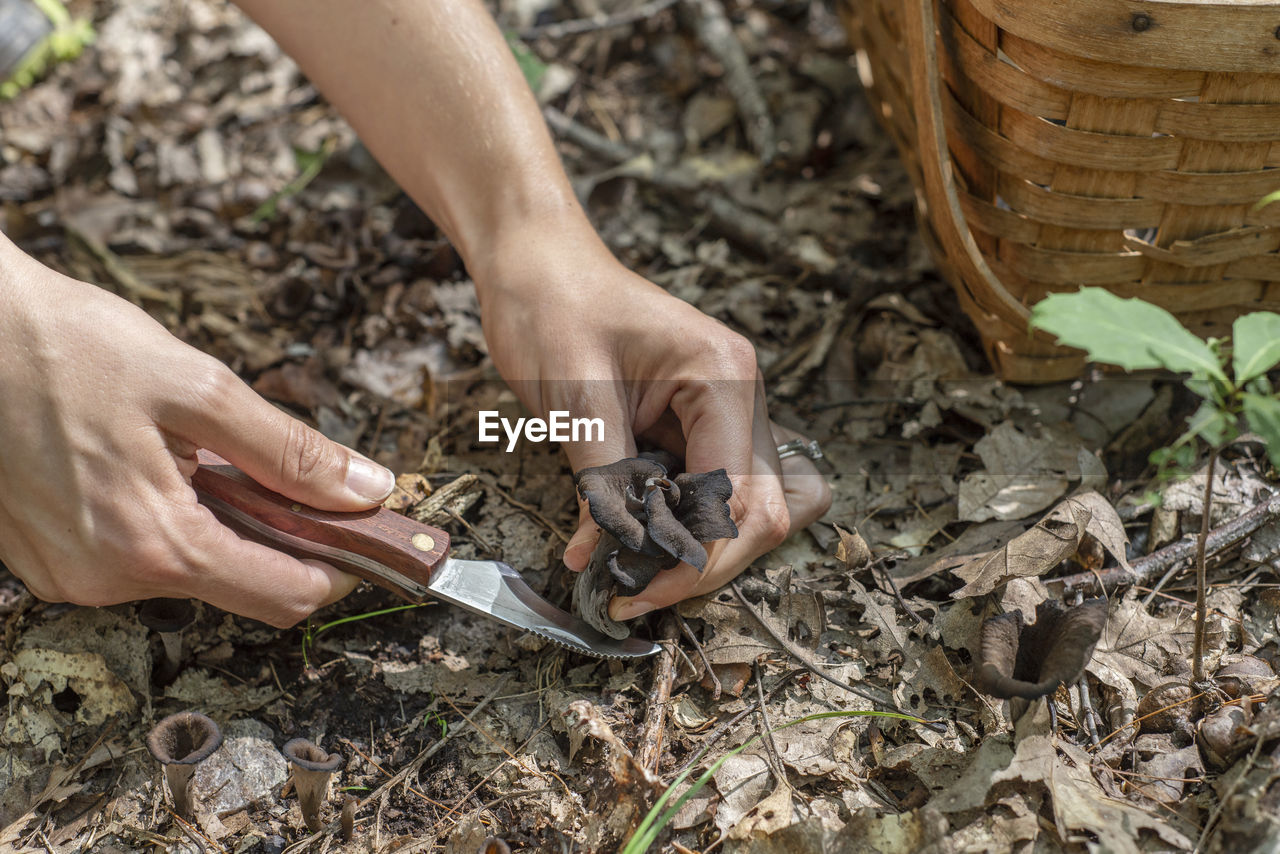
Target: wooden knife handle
{"type": "Point", "coordinates": [384, 547]}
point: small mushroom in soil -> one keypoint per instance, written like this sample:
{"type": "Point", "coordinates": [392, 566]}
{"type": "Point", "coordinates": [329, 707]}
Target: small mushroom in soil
{"type": "Point", "coordinates": [312, 768]}
{"type": "Point", "coordinates": [494, 845]}
{"type": "Point", "coordinates": [179, 743]}
{"type": "Point", "coordinates": [650, 522]}
{"type": "Point", "coordinates": [1031, 661]}
{"type": "Point", "coordinates": [167, 617]}
{"type": "Point", "coordinates": [349, 804]}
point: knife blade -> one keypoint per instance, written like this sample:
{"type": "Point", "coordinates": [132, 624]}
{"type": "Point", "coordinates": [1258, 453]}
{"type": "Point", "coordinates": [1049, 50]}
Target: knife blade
{"type": "Point", "coordinates": [398, 553]}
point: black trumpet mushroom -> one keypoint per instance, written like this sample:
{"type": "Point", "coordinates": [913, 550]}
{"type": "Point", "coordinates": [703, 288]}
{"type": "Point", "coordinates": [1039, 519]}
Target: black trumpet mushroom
{"type": "Point", "coordinates": [1030, 661]}
{"type": "Point", "coordinates": [167, 618]}
{"type": "Point", "coordinates": [651, 521]}
{"type": "Point", "coordinates": [312, 768]}
{"type": "Point", "coordinates": [179, 743]}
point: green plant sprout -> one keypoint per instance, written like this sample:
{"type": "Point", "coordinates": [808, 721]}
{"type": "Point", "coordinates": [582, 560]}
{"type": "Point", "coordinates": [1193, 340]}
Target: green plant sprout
{"type": "Point", "coordinates": [657, 818]}
{"type": "Point", "coordinates": [68, 39]}
{"type": "Point", "coordinates": [309, 635]}
{"type": "Point", "coordinates": [1230, 375]}
{"type": "Point", "coordinates": [310, 164]}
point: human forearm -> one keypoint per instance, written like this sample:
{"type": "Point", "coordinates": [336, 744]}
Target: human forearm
{"type": "Point", "coordinates": [434, 92]}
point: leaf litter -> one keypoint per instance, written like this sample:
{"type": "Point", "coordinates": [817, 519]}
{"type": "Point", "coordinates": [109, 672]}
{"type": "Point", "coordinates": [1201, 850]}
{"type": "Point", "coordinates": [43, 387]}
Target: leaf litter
{"type": "Point", "coordinates": [179, 185]}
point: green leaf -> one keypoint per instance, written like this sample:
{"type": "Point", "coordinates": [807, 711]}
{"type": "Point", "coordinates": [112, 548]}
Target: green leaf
{"type": "Point", "coordinates": [1263, 415]}
{"type": "Point", "coordinates": [1131, 333]}
{"type": "Point", "coordinates": [1211, 424]}
{"type": "Point", "coordinates": [1256, 343]}
{"type": "Point", "coordinates": [534, 69]}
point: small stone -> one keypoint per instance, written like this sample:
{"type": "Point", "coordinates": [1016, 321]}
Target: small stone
{"type": "Point", "coordinates": [247, 768]}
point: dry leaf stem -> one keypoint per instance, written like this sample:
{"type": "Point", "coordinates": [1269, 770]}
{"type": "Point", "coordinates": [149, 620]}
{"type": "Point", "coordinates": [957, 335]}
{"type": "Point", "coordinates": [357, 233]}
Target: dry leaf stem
{"type": "Point", "coordinates": [1197, 653]}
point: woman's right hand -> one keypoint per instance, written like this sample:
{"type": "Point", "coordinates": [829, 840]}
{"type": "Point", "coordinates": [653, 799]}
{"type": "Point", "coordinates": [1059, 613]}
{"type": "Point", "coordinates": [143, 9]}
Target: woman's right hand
{"type": "Point", "coordinates": [103, 413]}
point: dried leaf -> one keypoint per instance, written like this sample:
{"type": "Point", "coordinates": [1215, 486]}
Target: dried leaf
{"type": "Point", "coordinates": [852, 550]}
{"type": "Point", "coordinates": [1024, 473]}
{"type": "Point", "coordinates": [1053, 539]}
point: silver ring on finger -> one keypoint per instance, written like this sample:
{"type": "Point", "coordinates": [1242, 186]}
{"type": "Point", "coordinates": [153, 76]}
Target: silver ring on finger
{"type": "Point", "coordinates": [800, 448]}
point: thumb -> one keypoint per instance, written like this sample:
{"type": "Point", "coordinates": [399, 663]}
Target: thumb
{"type": "Point", "coordinates": [284, 454]}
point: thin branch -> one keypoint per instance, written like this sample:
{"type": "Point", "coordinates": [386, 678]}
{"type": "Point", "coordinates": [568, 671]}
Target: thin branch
{"type": "Point", "coordinates": [1197, 654]}
{"type": "Point", "coordinates": [766, 730]}
{"type": "Point", "coordinates": [728, 725]}
{"type": "Point", "coordinates": [1146, 569]}
{"type": "Point", "coordinates": [717, 688]}
{"type": "Point", "coordinates": [578, 26]}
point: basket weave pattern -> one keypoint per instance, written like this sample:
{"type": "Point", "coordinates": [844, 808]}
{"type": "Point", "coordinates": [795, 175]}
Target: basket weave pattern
{"type": "Point", "coordinates": [1096, 142]}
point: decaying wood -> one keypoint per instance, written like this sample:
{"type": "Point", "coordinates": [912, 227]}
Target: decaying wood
{"type": "Point", "coordinates": [649, 745]}
{"type": "Point", "coordinates": [454, 498]}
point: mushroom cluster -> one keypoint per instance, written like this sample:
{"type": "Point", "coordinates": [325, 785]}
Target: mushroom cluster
{"type": "Point", "coordinates": [182, 741]}
{"type": "Point", "coordinates": [651, 521]}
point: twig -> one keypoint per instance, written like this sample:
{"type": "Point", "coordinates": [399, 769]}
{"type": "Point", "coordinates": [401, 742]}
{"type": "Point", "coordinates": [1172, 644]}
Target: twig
{"type": "Point", "coordinates": [880, 564]}
{"type": "Point", "coordinates": [455, 495]}
{"type": "Point", "coordinates": [1144, 569]}
{"type": "Point", "coordinates": [810, 661]}
{"type": "Point", "coordinates": [1086, 711]}
{"type": "Point", "coordinates": [716, 34]}
{"type": "Point", "coordinates": [533, 512]}
{"type": "Point", "coordinates": [579, 134]}
{"type": "Point", "coordinates": [702, 653]}
{"type": "Point", "coordinates": [649, 748]}
{"type": "Point", "coordinates": [578, 26]}
{"type": "Point", "coordinates": [1197, 652]}
{"type": "Point", "coordinates": [766, 730]}
{"type": "Point", "coordinates": [403, 773]}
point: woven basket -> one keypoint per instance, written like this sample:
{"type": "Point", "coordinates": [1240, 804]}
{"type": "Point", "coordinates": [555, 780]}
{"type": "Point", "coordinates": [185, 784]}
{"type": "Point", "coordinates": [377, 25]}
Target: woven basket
{"type": "Point", "coordinates": [1061, 143]}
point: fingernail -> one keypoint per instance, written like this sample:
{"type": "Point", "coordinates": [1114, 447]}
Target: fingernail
{"type": "Point", "coordinates": [629, 609]}
{"type": "Point", "coordinates": [369, 480]}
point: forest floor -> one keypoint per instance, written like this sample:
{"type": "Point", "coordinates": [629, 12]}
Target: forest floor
{"type": "Point", "coordinates": [184, 163]}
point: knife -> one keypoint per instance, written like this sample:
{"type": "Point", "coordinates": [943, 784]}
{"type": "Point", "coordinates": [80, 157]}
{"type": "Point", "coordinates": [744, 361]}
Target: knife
{"type": "Point", "coordinates": [398, 553]}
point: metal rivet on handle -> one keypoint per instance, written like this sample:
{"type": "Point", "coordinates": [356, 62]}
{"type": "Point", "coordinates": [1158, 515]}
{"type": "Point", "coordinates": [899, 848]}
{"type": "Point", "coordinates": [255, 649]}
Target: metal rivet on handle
{"type": "Point", "coordinates": [423, 542]}
{"type": "Point", "coordinates": [296, 508]}
{"type": "Point", "coordinates": [1140, 22]}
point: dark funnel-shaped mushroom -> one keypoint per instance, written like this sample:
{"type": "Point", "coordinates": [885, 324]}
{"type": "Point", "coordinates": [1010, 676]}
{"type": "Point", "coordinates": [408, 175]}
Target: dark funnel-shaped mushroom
{"type": "Point", "coordinates": [349, 804]}
{"type": "Point", "coordinates": [651, 522]}
{"type": "Point", "coordinates": [179, 743]}
{"type": "Point", "coordinates": [1030, 661]}
{"type": "Point", "coordinates": [168, 617]}
{"type": "Point", "coordinates": [312, 768]}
